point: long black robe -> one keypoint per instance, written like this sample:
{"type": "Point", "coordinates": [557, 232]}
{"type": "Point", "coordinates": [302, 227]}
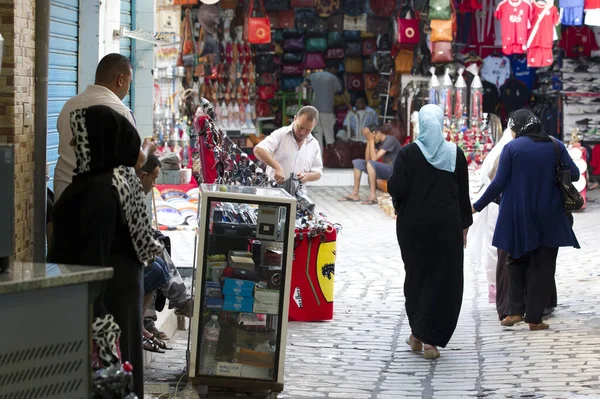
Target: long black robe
{"type": "Point", "coordinates": [433, 208]}
{"type": "Point", "coordinates": [90, 229]}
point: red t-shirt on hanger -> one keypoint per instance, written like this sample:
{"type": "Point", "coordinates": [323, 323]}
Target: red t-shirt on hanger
{"type": "Point", "coordinates": [544, 37]}
{"type": "Point", "coordinates": [515, 19]}
{"type": "Point", "coordinates": [591, 4]}
{"type": "Point", "coordinates": [578, 41]}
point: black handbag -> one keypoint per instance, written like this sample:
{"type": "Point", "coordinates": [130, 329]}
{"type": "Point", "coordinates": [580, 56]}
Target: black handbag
{"type": "Point", "coordinates": [305, 18]}
{"type": "Point", "coordinates": [264, 63]}
{"type": "Point", "coordinates": [572, 199]}
{"type": "Point", "coordinates": [277, 5]}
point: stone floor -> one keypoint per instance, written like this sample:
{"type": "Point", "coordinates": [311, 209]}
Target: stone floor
{"type": "Point", "coordinates": [362, 354]}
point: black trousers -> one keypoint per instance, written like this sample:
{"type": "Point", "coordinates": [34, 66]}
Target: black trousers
{"type": "Point", "coordinates": [531, 283]}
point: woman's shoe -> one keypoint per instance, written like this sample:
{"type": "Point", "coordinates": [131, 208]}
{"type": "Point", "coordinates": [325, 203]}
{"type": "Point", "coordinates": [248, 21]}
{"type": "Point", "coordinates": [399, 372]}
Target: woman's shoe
{"type": "Point", "coordinates": [431, 352]}
{"type": "Point", "coordinates": [415, 346]}
{"type": "Point", "coordinates": [538, 327]}
{"type": "Point", "coordinates": [510, 321]}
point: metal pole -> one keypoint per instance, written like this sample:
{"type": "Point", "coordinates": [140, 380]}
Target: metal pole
{"type": "Point", "coordinates": [42, 38]}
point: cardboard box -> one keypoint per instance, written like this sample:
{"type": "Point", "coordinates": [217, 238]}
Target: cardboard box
{"type": "Point", "coordinates": [266, 296]}
{"type": "Point", "coordinates": [254, 358]}
{"type": "Point", "coordinates": [266, 308]}
{"type": "Point", "coordinates": [236, 287]}
{"type": "Point", "coordinates": [238, 304]}
{"type": "Point", "coordinates": [213, 290]}
{"type": "Point", "coordinates": [213, 303]}
{"type": "Point", "coordinates": [241, 262]}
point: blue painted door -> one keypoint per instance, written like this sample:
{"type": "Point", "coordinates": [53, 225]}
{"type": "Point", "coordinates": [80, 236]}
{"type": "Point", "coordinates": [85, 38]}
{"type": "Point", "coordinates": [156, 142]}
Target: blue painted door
{"type": "Point", "coordinates": [126, 43]}
{"type": "Point", "coordinates": [62, 69]}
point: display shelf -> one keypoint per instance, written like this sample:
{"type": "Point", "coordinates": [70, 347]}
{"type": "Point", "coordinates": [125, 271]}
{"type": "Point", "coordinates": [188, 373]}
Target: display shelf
{"type": "Point", "coordinates": [242, 283]}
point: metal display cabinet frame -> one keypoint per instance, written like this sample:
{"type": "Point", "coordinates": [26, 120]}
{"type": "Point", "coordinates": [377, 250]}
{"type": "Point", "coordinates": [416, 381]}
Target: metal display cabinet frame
{"type": "Point", "coordinates": [211, 196]}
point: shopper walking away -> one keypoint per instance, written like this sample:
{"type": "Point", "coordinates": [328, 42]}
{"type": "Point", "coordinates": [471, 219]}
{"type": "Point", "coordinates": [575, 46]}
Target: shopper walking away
{"type": "Point", "coordinates": [481, 234]}
{"type": "Point", "coordinates": [293, 149]}
{"type": "Point", "coordinates": [532, 221]}
{"type": "Point", "coordinates": [430, 190]}
{"type": "Point", "coordinates": [325, 85]}
{"type": "Point", "coordinates": [101, 220]}
{"type": "Point", "coordinates": [380, 155]}
{"type": "Point", "coordinates": [113, 78]}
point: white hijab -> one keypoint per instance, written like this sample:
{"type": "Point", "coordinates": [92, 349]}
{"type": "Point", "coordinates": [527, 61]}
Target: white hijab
{"type": "Point", "coordinates": [490, 160]}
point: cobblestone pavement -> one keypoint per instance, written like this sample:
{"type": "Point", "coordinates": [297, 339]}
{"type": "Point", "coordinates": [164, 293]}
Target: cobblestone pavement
{"type": "Point", "coordinates": [362, 354]}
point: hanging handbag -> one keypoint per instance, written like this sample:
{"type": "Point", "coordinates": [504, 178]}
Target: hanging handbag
{"type": "Point", "coordinates": [353, 8]}
{"type": "Point", "coordinates": [316, 45]}
{"type": "Point", "coordinates": [294, 45]}
{"type": "Point", "coordinates": [441, 30]}
{"type": "Point", "coordinates": [441, 52]}
{"type": "Point", "coordinates": [326, 8]}
{"type": "Point", "coordinates": [384, 62]}
{"type": "Point", "coordinates": [290, 84]}
{"type": "Point", "coordinates": [266, 79]}
{"type": "Point", "coordinates": [440, 9]}
{"type": "Point", "coordinates": [357, 23]}
{"type": "Point", "coordinates": [207, 44]}
{"type": "Point", "coordinates": [292, 69]}
{"type": "Point", "coordinates": [336, 22]}
{"type": "Point", "coordinates": [384, 42]}
{"type": "Point", "coordinates": [314, 61]}
{"type": "Point", "coordinates": [264, 63]}
{"type": "Point", "coordinates": [293, 58]}
{"type": "Point", "coordinates": [320, 28]}
{"type": "Point", "coordinates": [335, 54]}
{"type": "Point", "coordinates": [381, 87]}
{"type": "Point", "coordinates": [292, 33]}
{"type": "Point", "coordinates": [353, 65]}
{"type": "Point", "coordinates": [265, 92]}
{"type": "Point", "coordinates": [378, 25]}
{"type": "Point", "coordinates": [409, 30]}
{"type": "Point", "coordinates": [263, 108]}
{"type": "Point", "coordinates": [353, 49]}
{"type": "Point", "coordinates": [381, 8]}
{"type": "Point", "coordinates": [335, 39]}
{"type": "Point", "coordinates": [355, 82]}
{"type": "Point", "coordinates": [303, 3]}
{"type": "Point", "coordinates": [276, 5]}
{"type": "Point", "coordinates": [404, 61]}
{"type": "Point", "coordinates": [369, 64]}
{"type": "Point", "coordinates": [274, 20]}
{"type": "Point", "coordinates": [371, 80]}
{"type": "Point", "coordinates": [287, 19]}
{"type": "Point", "coordinates": [228, 4]}
{"type": "Point", "coordinates": [305, 18]}
{"type": "Point", "coordinates": [352, 35]}
{"type": "Point", "coordinates": [368, 47]}
{"type": "Point", "coordinates": [277, 35]}
{"type": "Point", "coordinates": [572, 199]}
{"type": "Point", "coordinates": [257, 30]}
{"type": "Point", "coordinates": [373, 99]}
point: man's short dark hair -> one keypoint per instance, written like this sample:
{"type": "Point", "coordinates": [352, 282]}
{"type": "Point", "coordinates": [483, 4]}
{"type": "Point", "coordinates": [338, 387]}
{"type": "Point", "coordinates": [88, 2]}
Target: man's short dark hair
{"type": "Point", "coordinates": [111, 66]}
{"type": "Point", "coordinates": [374, 128]}
{"type": "Point", "coordinates": [310, 112]}
{"type": "Point", "coordinates": [152, 163]}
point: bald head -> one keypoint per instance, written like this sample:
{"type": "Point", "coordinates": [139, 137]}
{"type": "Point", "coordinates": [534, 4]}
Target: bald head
{"type": "Point", "coordinates": [114, 72]}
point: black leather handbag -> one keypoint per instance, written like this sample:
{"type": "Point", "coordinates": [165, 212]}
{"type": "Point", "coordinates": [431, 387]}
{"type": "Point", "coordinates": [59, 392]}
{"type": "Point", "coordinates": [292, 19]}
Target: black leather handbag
{"type": "Point", "coordinates": [572, 199]}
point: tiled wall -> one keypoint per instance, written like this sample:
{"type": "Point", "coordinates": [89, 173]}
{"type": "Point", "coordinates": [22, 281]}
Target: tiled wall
{"type": "Point", "coordinates": [17, 87]}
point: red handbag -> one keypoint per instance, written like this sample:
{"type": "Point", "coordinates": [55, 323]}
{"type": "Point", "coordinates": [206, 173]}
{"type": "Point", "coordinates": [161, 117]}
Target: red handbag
{"type": "Point", "coordinates": [409, 30]}
{"type": "Point", "coordinates": [274, 20]}
{"type": "Point", "coordinates": [302, 3]}
{"type": "Point", "coordinates": [314, 61]}
{"type": "Point", "coordinates": [287, 19]}
{"type": "Point", "coordinates": [441, 52]}
{"type": "Point", "coordinates": [265, 92]}
{"type": "Point", "coordinates": [335, 54]}
{"type": "Point", "coordinates": [257, 30]}
{"type": "Point", "coordinates": [355, 82]}
{"type": "Point", "coordinates": [369, 46]}
{"type": "Point", "coordinates": [371, 80]}
{"type": "Point", "coordinates": [382, 8]}
{"type": "Point", "coordinates": [292, 69]}
{"type": "Point", "coordinates": [263, 108]}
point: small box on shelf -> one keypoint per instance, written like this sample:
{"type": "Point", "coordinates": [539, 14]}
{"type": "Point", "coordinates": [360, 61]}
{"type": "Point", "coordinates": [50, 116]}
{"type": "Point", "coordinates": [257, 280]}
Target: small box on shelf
{"type": "Point", "coordinates": [236, 287]}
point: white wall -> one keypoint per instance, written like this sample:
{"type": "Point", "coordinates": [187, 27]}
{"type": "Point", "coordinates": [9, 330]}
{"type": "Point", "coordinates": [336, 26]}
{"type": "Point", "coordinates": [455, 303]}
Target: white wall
{"type": "Point", "coordinates": [143, 66]}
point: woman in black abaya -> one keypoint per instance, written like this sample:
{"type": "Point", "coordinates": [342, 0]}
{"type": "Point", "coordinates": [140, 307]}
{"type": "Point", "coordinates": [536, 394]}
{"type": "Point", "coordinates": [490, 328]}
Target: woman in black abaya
{"type": "Point", "coordinates": [101, 220]}
{"type": "Point", "coordinates": [430, 189]}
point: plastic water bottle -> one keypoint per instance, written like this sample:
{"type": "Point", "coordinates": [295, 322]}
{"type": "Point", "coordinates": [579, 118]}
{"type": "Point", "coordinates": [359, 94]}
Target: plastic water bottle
{"type": "Point", "coordinates": [208, 351]}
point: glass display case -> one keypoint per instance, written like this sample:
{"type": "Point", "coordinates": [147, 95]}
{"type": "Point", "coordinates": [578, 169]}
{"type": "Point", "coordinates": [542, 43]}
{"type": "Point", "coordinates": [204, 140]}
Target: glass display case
{"type": "Point", "coordinates": [241, 287]}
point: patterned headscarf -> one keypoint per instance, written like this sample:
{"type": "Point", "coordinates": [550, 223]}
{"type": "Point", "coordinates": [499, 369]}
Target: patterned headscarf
{"type": "Point", "coordinates": [524, 123]}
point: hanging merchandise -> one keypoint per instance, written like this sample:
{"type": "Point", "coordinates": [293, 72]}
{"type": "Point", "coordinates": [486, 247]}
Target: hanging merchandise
{"type": "Point", "coordinates": [441, 52]}
{"type": "Point", "coordinates": [302, 3]}
{"type": "Point", "coordinates": [355, 82]}
{"type": "Point", "coordinates": [276, 5]}
{"type": "Point", "coordinates": [314, 61]}
{"type": "Point", "coordinates": [381, 8]}
{"type": "Point", "coordinates": [353, 8]}
{"type": "Point", "coordinates": [476, 107]}
{"type": "Point", "coordinates": [496, 69]}
{"type": "Point", "coordinates": [441, 30]}
{"type": "Point", "coordinates": [571, 12]}
{"type": "Point", "coordinates": [403, 61]}
{"type": "Point", "coordinates": [335, 54]}
{"type": "Point", "coordinates": [369, 64]}
{"type": "Point", "coordinates": [578, 41]}
{"type": "Point", "coordinates": [434, 88]}
{"type": "Point", "coordinates": [326, 8]}
{"type": "Point", "coordinates": [446, 97]}
{"type": "Point", "coordinates": [188, 51]}
{"type": "Point", "coordinates": [208, 17]}
{"type": "Point", "coordinates": [336, 22]}
{"type": "Point", "coordinates": [378, 25]}
{"type": "Point", "coordinates": [540, 42]}
{"type": "Point", "coordinates": [316, 45]}
{"type": "Point", "coordinates": [460, 99]}
{"type": "Point", "coordinates": [369, 46]}
{"type": "Point", "coordinates": [335, 39]}
{"type": "Point", "coordinates": [409, 31]}
{"type": "Point", "coordinates": [305, 19]}
{"type": "Point", "coordinates": [257, 30]}
{"type": "Point", "coordinates": [287, 19]}
{"type": "Point", "coordinates": [355, 23]}
{"type": "Point", "coordinates": [353, 65]}
{"type": "Point", "coordinates": [440, 9]}
{"type": "Point", "coordinates": [371, 80]}
{"type": "Point", "coordinates": [514, 20]}
{"type": "Point", "coordinates": [353, 49]}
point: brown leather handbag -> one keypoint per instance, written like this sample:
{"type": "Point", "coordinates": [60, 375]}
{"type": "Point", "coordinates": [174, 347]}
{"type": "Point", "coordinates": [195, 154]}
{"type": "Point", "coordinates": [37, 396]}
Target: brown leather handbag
{"type": "Point", "coordinates": [441, 52]}
{"type": "Point", "coordinates": [404, 61]}
{"type": "Point", "coordinates": [441, 30]}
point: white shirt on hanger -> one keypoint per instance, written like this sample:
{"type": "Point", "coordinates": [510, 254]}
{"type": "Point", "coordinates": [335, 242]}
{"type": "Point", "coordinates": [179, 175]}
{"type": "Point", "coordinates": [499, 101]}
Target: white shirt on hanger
{"type": "Point", "coordinates": [495, 70]}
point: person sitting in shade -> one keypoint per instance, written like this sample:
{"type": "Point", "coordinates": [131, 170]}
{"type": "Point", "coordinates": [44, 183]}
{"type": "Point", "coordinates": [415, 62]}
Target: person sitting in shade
{"type": "Point", "coordinates": [380, 154]}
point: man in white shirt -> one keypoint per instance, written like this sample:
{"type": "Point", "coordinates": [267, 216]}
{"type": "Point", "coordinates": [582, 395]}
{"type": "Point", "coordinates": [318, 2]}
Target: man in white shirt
{"type": "Point", "coordinates": [113, 77]}
{"type": "Point", "coordinates": [293, 149]}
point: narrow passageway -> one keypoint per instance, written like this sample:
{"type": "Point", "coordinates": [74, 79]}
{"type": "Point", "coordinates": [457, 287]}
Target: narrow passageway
{"type": "Point", "coordinates": [361, 353]}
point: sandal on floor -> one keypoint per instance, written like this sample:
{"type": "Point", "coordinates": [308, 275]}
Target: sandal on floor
{"type": "Point", "coordinates": [431, 353]}
{"type": "Point", "coordinates": [510, 321]}
{"type": "Point", "coordinates": [370, 202]}
{"type": "Point", "coordinates": [348, 199]}
{"type": "Point", "coordinates": [161, 344]}
{"type": "Point", "coordinates": [150, 346]}
{"type": "Point", "coordinates": [414, 345]}
{"type": "Point", "coordinates": [158, 334]}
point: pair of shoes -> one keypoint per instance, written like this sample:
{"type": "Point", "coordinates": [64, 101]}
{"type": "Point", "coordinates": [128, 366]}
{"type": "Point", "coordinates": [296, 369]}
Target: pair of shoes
{"type": "Point", "coordinates": [415, 346]}
{"type": "Point", "coordinates": [510, 321]}
{"type": "Point", "coordinates": [538, 327]}
{"type": "Point", "coordinates": [431, 353]}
